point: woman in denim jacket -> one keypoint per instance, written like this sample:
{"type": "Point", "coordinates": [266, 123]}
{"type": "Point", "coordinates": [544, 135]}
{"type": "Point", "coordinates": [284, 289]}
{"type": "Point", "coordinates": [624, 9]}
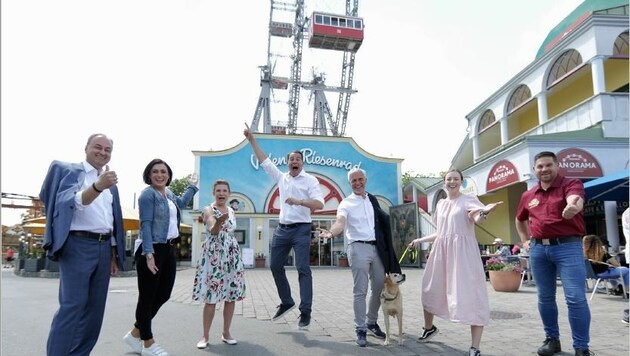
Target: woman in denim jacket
{"type": "Point", "coordinates": [160, 217]}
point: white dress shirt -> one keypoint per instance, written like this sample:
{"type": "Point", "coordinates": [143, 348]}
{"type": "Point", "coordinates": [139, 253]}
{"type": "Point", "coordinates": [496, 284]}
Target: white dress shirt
{"type": "Point", "coordinates": [359, 214]}
{"type": "Point", "coordinates": [97, 216]}
{"type": "Point", "coordinates": [302, 187]}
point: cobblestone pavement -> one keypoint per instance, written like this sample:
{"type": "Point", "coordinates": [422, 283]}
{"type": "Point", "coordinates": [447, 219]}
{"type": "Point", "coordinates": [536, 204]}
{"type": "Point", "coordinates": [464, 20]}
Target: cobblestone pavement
{"type": "Point", "coordinates": [28, 305]}
{"type": "Point", "coordinates": [515, 327]}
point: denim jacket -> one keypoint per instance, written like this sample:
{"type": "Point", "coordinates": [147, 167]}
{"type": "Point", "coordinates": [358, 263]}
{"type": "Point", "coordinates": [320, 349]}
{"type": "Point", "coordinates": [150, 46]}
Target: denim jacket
{"type": "Point", "coordinates": [154, 214]}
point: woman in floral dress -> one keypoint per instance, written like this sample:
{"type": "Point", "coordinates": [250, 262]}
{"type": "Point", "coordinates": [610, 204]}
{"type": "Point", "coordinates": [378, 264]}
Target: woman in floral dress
{"type": "Point", "coordinates": [220, 275]}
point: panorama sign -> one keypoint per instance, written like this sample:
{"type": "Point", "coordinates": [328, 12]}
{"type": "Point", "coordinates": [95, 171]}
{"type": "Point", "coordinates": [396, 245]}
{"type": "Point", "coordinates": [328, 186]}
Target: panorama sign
{"type": "Point", "coordinates": [577, 163]}
{"type": "Point", "coordinates": [502, 174]}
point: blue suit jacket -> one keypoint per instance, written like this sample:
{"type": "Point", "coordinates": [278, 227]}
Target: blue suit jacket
{"type": "Point", "coordinates": [62, 182]}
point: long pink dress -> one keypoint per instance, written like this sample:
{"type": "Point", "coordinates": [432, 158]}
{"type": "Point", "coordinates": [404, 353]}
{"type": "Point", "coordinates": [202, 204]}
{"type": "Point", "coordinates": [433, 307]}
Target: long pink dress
{"type": "Point", "coordinates": [454, 282]}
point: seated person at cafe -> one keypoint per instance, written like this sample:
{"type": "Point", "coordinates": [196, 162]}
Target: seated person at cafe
{"type": "Point", "coordinates": [604, 265]}
{"type": "Point", "coordinates": [516, 249]}
{"type": "Point", "coordinates": [502, 250]}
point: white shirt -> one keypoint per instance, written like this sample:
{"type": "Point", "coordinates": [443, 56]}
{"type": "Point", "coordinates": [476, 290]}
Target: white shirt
{"type": "Point", "coordinates": [359, 214]}
{"type": "Point", "coordinates": [172, 221]}
{"type": "Point", "coordinates": [98, 216]}
{"type": "Point", "coordinates": [302, 187]}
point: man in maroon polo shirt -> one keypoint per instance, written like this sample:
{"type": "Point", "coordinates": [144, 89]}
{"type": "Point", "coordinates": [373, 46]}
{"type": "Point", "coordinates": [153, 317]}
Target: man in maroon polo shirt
{"type": "Point", "coordinates": [551, 214]}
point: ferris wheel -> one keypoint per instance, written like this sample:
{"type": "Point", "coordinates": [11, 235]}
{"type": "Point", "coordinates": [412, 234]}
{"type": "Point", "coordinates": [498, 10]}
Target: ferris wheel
{"type": "Point", "coordinates": [281, 77]}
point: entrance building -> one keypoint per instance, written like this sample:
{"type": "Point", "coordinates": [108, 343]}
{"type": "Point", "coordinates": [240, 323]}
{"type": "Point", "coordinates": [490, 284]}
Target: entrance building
{"type": "Point", "coordinates": [254, 195]}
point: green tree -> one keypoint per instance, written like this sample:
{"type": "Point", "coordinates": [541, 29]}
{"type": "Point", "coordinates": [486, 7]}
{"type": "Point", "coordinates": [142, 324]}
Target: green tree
{"type": "Point", "coordinates": [407, 176]}
{"type": "Point", "coordinates": [178, 187]}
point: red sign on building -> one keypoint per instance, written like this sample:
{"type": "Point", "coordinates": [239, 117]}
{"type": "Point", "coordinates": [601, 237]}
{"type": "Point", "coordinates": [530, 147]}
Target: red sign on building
{"type": "Point", "coordinates": [502, 174]}
{"type": "Point", "coordinates": [577, 163]}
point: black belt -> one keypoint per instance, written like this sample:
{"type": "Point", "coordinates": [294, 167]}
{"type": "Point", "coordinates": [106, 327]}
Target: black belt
{"type": "Point", "coordinates": [291, 226]}
{"type": "Point", "coordinates": [371, 242]}
{"type": "Point", "coordinates": [92, 235]}
{"type": "Point", "coordinates": [556, 240]}
{"type": "Point", "coordinates": [174, 241]}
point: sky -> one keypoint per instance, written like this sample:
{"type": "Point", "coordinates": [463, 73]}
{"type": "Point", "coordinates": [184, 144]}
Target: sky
{"type": "Point", "coordinates": [165, 78]}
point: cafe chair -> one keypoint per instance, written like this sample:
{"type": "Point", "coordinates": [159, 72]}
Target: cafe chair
{"type": "Point", "coordinates": [591, 276]}
{"type": "Point", "coordinates": [526, 271]}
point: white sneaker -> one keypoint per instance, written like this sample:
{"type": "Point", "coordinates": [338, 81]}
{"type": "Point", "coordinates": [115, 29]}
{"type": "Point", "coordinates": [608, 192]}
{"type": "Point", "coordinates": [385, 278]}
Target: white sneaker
{"type": "Point", "coordinates": [154, 350]}
{"type": "Point", "coordinates": [134, 342]}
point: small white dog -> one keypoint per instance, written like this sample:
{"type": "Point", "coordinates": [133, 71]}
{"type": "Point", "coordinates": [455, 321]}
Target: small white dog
{"type": "Point", "coordinates": [392, 304]}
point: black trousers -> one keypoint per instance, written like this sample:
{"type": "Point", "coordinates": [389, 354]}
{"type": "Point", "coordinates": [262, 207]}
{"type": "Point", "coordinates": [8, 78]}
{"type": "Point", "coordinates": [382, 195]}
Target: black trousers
{"type": "Point", "coordinates": [154, 289]}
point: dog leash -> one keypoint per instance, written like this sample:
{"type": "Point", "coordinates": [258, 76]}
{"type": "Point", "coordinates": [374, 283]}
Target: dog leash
{"type": "Point", "coordinates": [414, 255]}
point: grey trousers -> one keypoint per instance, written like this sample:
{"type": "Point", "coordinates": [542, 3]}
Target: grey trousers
{"type": "Point", "coordinates": [366, 266]}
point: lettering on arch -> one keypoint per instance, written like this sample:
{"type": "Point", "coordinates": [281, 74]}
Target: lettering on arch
{"type": "Point", "coordinates": [577, 163]}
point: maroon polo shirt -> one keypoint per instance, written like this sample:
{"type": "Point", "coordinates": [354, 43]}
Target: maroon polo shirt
{"type": "Point", "coordinates": [543, 209]}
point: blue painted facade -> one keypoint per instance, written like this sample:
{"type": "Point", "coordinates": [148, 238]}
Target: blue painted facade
{"type": "Point", "coordinates": [328, 157]}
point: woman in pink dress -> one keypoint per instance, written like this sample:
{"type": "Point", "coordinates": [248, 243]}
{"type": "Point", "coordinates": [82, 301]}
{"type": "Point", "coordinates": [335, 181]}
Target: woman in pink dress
{"type": "Point", "coordinates": [454, 282]}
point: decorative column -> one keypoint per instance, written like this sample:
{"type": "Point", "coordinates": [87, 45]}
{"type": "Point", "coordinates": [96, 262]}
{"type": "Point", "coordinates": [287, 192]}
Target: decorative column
{"type": "Point", "coordinates": [599, 79]}
{"type": "Point", "coordinates": [541, 98]}
{"type": "Point", "coordinates": [503, 122]}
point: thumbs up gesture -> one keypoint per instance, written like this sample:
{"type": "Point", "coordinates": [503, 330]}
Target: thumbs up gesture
{"type": "Point", "coordinates": [572, 207]}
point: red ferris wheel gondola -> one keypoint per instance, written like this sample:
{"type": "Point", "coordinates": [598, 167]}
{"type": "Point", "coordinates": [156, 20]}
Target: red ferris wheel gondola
{"type": "Point", "coordinates": [341, 33]}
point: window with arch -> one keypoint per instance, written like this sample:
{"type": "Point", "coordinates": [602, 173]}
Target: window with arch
{"type": "Point", "coordinates": [620, 48]}
{"type": "Point", "coordinates": [520, 95]}
{"type": "Point", "coordinates": [563, 65]}
{"type": "Point", "coordinates": [487, 119]}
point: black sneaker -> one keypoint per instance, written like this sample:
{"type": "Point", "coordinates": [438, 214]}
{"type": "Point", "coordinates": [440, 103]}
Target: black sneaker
{"type": "Point", "coordinates": [283, 309]}
{"type": "Point", "coordinates": [549, 347]}
{"type": "Point", "coordinates": [473, 351]}
{"type": "Point", "coordinates": [376, 330]}
{"type": "Point", "coordinates": [583, 352]}
{"type": "Point", "coordinates": [427, 334]}
{"type": "Point", "coordinates": [362, 338]}
{"type": "Point", "coordinates": [305, 321]}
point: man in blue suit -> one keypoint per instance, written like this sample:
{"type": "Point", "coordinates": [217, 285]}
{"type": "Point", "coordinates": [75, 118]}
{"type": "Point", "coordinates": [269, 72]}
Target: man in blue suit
{"type": "Point", "coordinates": [84, 233]}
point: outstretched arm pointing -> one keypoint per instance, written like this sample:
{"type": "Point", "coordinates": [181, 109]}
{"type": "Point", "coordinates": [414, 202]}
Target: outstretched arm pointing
{"type": "Point", "coordinates": [252, 141]}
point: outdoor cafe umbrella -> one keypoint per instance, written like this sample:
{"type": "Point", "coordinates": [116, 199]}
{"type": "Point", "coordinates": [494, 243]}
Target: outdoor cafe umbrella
{"type": "Point", "coordinates": [131, 220]}
{"type": "Point", "coordinates": [34, 228]}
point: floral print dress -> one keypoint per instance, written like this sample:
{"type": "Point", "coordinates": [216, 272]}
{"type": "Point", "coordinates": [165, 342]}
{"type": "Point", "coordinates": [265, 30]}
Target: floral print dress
{"type": "Point", "coordinates": [220, 274]}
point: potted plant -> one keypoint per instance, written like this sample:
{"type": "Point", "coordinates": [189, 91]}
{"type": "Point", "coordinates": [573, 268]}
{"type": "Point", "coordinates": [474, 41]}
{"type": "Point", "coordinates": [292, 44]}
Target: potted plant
{"type": "Point", "coordinates": [343, 259]}
{"type": "Point", "coordinates": [51, 266]}
{"type": "Point", "coordinates": [505, 276]}
{"type": "Point", "coordinates": [260, 260]}
{"type": "Point", "coordinates": [36, 261]}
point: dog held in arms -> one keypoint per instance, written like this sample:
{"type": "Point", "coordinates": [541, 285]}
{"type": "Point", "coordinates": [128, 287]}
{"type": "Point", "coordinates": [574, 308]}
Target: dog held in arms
{"type": "Point", "coordinates": [392, 304]}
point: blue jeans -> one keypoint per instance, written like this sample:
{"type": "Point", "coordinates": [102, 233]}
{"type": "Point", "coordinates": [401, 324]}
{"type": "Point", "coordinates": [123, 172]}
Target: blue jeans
{"type": "Point", "coordinates": [567, 261]}
{"type": "Point", "coordinates": [299, 239]}
{"type": "Point", "coordinates": [616, 272]}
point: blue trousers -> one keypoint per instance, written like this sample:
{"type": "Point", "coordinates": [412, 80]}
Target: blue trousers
{"type": "Point", "coordinates": [299, 239]}
{"type": "Point", "coordinates": [567, 261]}
{"type": "Point", "coordinates": [84, 272]}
